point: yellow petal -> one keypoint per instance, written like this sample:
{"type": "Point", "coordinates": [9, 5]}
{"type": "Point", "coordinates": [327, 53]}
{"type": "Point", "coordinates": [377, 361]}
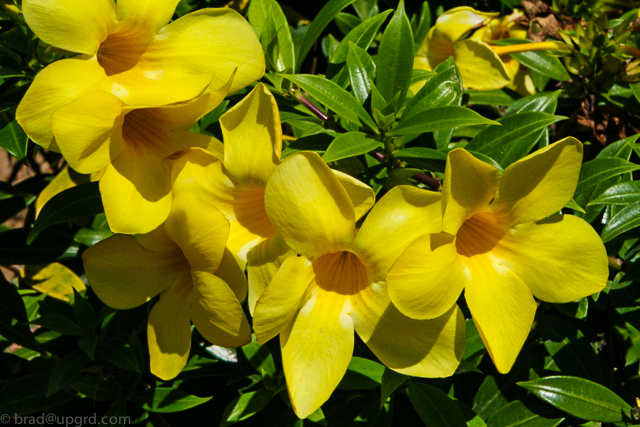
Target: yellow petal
{"type": "Point", "coordinates": [280, 302]}
{"type": "Point", "coordinates": [70, 26]}
{"type": "Point", "coordinates": [263, 262]}
{"type": "Point", "coordinates": [200, 48]}
{"type": "Point", "coordinates": [199, 229]}
{"type": "Point", "coordinates": [436, 48]}
{"type": "Point", "coordinates": [46, 94]}
{"type": "Point", "coordinates": [540, 184]}
{"type": "Point", "coordinates": [67, 178]}
{"type": "Point", "coordinates": [252, 137]}
{"type": "Point", "coordinates": [560, 258]}
{"type": "Point", "coordinates": [125, 275]}
{"type": "Point", "coordinates": [136, 192]}
{"type": "Point", "coordinates": [233, 275]}
{"type": "Point", "coordinates": [88, 131]}
{"type": "Point", "coordinates": [361, 195]}
{"type": "Point", "coordinates": [502, 308]}
{"type": "Point", "coordinates": [216, 312]}
{"type": "Point", "coordinates": [425, 348]}
{"type": "Point", "coordinates": [480, 67]}
{"type": "Point", "coordinates": [54, 280]}
{"type": "Point", "coordinates": [469, 186]}
{"type": "Point", "coordinates": [401, 216]}
{"type": "Point", "coordinates": [306, 203]}
{"type": "Point", "coordinates": [457, 22]}
{"type": "Point", "coordinates": [148, 14]}
{"type": "Point", "coordinates": [169, 331]}
{"type": "Point", "coordinates": [427, 279]}
{"type": "Point", "coordinates": [317, 347]}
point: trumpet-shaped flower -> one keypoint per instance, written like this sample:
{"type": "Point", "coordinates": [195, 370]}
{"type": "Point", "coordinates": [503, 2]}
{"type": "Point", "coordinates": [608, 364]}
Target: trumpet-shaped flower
{"type": "Point", "coordinates": [503, 242]}
{"type": "Point", "coordinates": [129, 49]}
{"type": "Point", "coordinates": [185, 261]}
{"type": "Point", "coordinates": [465, 34]}
{"type": "Point", "coordinates": [316, 300]}
{"type": "Point", "coordinates": [98, 130]}
{"type": "Point", "coordinates": [234, 177]}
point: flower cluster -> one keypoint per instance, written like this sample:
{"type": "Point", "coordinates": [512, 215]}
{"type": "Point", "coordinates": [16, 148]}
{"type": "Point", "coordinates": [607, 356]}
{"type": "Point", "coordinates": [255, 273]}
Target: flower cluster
{"type": "Point", "coordinates": [323, 261]}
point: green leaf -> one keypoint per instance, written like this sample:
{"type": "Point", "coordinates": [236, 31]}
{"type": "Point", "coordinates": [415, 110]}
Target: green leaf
{"type": "Point", "coordinates": [361, 36]}
{"type": "Point", "coordinates": [434, 407]}
{"type": "Point", "coordinates": [599, 169]}
{"type": "Point", "coordinates": [624, 194]}
{"type": "Point", "coordinates": [73, 203]}
{"type": "Point", "coordinates": [539, 61]}
{"type": "Point", "coordinates": [514, 139]}
{"type": "Point", "coordinates": [625, 220]}
{"type": "Point", "coordinates": [334, 97]}
{"type": "Point", "coordinates": [318, 142]}
{"type": "Point", "coordinates": [245, 406]}
{"type": "Point", "coordinates": [580, 398]}
{"type": "Point", "coordinates": [272, 28]}
{"type": "Point", "coordinates": [422, 157]}
{"type": "Point", "coordinates": [66, 370]}
{"type": "Point", "coordinates": [395, 57]}
{"type": "Point", "coordinates": [11, 302]}
{"type": "Point", "coordinates": [362, 71]}
{"type": "Point", "coordinates": [260, 358]}
{"type": "Point", "coordinates": [424, 25]}
{"type": "Point", "coordinates": [544, 102]}
{"type": "Point", "coordinates": [14, 140]}
{"type": "Point", "coordinates": [439, 118]}
{"type": "Point", "coordinates": [517, 414]}
{"type": "Point", "coordinates": [19, 334]}
{"type": "Point", "coordinates": [362, 374]}
{"type": "Point", "coordinates": [83, 312]}
{"type": "Point", "coordinates": [348, 145]}
{"type": "Point", "coordinates": [391, 380]}
{"type": "Point", "coordinates": [317, 26]}
{"type": "Point", "coordinates": [166, 399]}
{"type": "Point", "coordinates": [490, 97]}
{"type": "Point", "coordinates": [28, 394]}
{"type": "Point", "coordinates": [444, 88]}
{"type": "Point", "coordinates": [96, 388]}
{"type": "Point", "coordinates": [120, 353]}
{"type": "Point", "coordinates": [60, 323]}
{"type": "Point", "coordinates": [346, 22]}
{"type": "Point", "coordinates": [48, 247]}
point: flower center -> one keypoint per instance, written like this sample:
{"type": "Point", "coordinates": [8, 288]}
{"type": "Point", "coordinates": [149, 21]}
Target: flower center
{"type": "Point", "coordinates": [144, 128]}
{"type": "Point", "coordinates": [121, 51]}
{"type": "Point", "coordinates": [479, 234]}
{"type": "Point", "coordinates": [341, 272]}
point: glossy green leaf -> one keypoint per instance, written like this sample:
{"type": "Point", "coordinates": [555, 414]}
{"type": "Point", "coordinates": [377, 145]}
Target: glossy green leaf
{"type": "Point", "coordinates": [318, 142]}
{"type": "Point", "coordinates": [66, 370]}
{"type": "Point", "coordinates": [490, 97]}
{"type": "Point", "coordinates": [544, 102]}
{"type": "Point", "coordinates": [539, 61]}
{"type": "Point", "coordinates": [517, 414]}
{"type": "Point", "coordinates": [624, 194]}
{"type": "Point", "coordinates": [435, 408]}
{"type": "Point", "coordinates": [362, 374]}
{"type": "Point", "coordinates": [443, 88]}
{"type": "Point", "coordinates": [439, 118]}
{"type": "Point", "coordinates": [625, 220]}
{"type": "Point", "coordinates": [334, 97]}
{"type": "Point", "coordinates": [580, 398]}
{"type": "Point", "coordinates": [361, 36]}
{"type": "Point", "coordinates": [514, 139]}
{"type": "Point", "coordinates": [73, 203]}
{"type": "Point", "coordinates": [245, 406]}
{"type": "Point", "coordinates": [346, 22]}
{"type": "Point", "coordinates": [317, 26]}
{"type": "Point", "coordinates": [272, 28]}
{"type": "Point", "coordinates": [166, 399]}
{"type": "Point", "coordinates": [391, 380]}
{"type": "Point", "coordinates": [362, 72]}
{"type": "Point", "coordinates": [395, 57]}
{"type": "Point", "coordinates": [348, 145]}
{"type": "Point", "coordinates": [600, 169]}
{"type": "Point", "coordinates": [260, 358]}
{"type": "Point", "coordinates": [14, 140]}
{"type": "Point", "coordinates": [426, 158]}
{"type": "Point", "coordinates": [423, 27]}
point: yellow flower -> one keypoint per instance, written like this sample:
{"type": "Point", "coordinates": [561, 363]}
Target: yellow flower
{"type": "Point", "coordinates": [185, 261]}
{"type": "Point", "coordinates": [317, 300]}
{"type": "Point", "coordinates": [466, 34]}
{"type": "Point", "coordinates": [234, 177]}
{"type": "Point", "coordinates": [99, 131]}
{"type": "Point", "coordinates": [504, 242]}
{"type": "Point", "coordinates": [129, 49]}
